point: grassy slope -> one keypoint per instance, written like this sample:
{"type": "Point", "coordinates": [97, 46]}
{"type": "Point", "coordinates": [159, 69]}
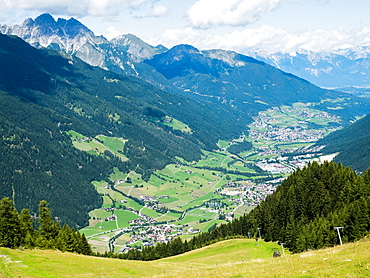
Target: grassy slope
{"type": "Point", "coordinates": [232, 258]}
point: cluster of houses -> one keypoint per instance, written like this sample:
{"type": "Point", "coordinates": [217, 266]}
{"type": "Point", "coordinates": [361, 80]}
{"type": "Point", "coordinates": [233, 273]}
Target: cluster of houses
{"type": "Point", "coordinates": [152, 201]}
{"type": "Point", "coordinates": [263, 127]}
{"type": "Point", "coordinates": [263, 130]}
{"type": "Point", "coordinates": [249, 193]}
{"type": "Point", "coordinates": [143, 220]}
{"type": "Point", "coordinates": [85, 139]}
{"type": "Point", "coordinates": [275, 168]}
{"type": "Point", "coordinates": [153, 234]}
{"type": "Point", "coordinates": [294, 134]}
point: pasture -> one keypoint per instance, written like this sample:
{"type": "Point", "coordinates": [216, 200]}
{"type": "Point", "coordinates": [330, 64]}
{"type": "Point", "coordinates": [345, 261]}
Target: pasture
{"type": "Point", "coordinates": [231, 258]}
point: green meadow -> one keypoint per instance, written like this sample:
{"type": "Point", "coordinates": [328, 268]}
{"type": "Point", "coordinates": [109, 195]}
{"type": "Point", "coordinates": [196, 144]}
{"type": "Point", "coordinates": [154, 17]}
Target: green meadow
{"type": "Point", "coordinates": [231, 258]}
{"type": "Point", "coordinates": [99, 144]}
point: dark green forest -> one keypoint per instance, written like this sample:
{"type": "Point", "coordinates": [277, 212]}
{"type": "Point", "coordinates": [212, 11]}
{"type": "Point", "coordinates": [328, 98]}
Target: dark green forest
{"type": "Point", "coordinates": [302, 213]}
{"type": "Point", "coordinates": [352, 144]}
{"type": "Point", "coordinates": [308, 205]}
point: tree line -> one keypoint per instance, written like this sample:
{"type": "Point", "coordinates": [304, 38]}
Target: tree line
{"type": "Point", "coordinates": [23, 230]}
{"type": "Point", "coordinates": [312, 201]}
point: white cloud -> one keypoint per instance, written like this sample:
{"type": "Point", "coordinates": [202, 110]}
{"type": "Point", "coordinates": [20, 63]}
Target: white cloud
{"type": "Point", "coordinates": [267, 39]}
{"type": "Point", "coordinates": [159, 11]}
{"type": "Point", "coordinates": [210, 13]}
{"type": "Point", "coordinates": [74, 7]}
{"type": "Point", "coordinates": [112, 33]}
{"type": "Point", "coordinates": [172, 37]}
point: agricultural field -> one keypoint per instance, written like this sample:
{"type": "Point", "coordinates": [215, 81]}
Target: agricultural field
{"type": "Point", "coordinates": [99, 144]}
{"type": "Point", "coordinates": [186, 198]}
{"type": "Point", "coordinates": [177, 125]}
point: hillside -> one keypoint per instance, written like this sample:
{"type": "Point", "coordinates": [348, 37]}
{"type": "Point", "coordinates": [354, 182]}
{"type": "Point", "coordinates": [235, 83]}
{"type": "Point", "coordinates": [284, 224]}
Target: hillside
{"type": "Point", "coordinates": [239, 258]}
{"type": "Point", "coordinates": [351, 143]}
{"type": "Point", "coordinates": [306, 207]}
{"type": "Point", "coordinates": [44, 95]}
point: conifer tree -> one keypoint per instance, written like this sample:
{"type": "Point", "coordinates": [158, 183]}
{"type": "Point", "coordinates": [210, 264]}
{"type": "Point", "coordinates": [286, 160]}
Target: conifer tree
{"type": "Point", "coordinates": [10, 232]}
{"type": "Point", "coordinates": [84, 247]}
{"type": "Point", "coordinates": [27, 228]}
{"type": "Point", "coordinates": [48, 229]}
{"type": "Point", "coordinates": [66, 240]}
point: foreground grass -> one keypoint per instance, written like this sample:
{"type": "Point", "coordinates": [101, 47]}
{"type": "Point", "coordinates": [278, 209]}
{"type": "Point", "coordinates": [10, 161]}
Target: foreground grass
{"type": "Point", "coordinates": [232, 258]}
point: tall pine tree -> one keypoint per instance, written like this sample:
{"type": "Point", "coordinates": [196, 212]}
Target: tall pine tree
{"type": "Point", "coordinates": [10, 227]}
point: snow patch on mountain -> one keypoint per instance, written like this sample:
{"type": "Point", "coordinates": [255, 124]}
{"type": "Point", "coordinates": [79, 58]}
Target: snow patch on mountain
{"type": "Point", "coordinates": [229, 57]}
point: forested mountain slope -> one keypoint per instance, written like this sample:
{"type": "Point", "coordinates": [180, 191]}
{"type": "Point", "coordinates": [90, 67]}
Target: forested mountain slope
{"type": "Point", "coordinates": [44, 94]}
{"type": "Point", "coordinates": [308, 205]}
{"type": "Point", "coordinates": [351, 143]}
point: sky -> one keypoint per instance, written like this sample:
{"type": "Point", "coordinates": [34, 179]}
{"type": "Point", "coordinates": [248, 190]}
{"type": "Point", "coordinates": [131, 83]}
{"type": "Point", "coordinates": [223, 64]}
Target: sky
{"type": "Point", "coordinates": [245, 26]}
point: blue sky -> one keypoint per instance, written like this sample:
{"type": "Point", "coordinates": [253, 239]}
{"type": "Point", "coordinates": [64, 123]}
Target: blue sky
{"type": "Point", "coordinates": [240, 25]}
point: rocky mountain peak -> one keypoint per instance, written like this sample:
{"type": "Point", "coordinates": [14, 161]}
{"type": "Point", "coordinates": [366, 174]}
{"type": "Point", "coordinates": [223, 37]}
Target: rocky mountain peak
{"type": "Point", "coordinates": [45, 19]}
{"type": "Point", "coordinates": [184, 48]}
{"type": "Point", "coordinates": [28, 22]}
{"type": "Point", "coordinates": [46, 26]}
{"type": "Point", "coordinates": [136, 47]}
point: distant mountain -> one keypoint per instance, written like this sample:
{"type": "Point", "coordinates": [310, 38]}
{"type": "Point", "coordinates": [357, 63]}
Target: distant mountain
{"type": "Point", "coordinates": [136, 47]}
{"type": "Point", "coordinates": [124, 54]}
{"type": "Point", "coordinates": [225, 78]}
{"type": "Point", "coordinates": [360, 92]}
{"type": "Point", "coordinates": [72, 37]}
{"type": "Point", "coordinates": [45, 94]}
{"type": "Point", "coordinates": [343, 68]}
{"type": "Point", "coordinates": [246, 84]}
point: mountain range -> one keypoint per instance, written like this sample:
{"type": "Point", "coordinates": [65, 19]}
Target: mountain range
{"type": "Point", "coordinates": [343, 68]}
{"type": "Point", "coordinates": [67, 79]}
{"type": "Point", "coordinates": [217, 76]}
{"type": "Point", "coordinates": [348, 67]}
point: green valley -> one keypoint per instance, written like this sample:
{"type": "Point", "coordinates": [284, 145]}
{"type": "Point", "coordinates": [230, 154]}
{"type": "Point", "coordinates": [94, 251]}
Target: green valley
{"type": "Point", "coordinates": [186, 198]}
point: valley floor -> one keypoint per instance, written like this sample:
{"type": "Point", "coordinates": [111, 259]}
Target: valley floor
{"type": "Point", "coordinates": [232, 258]}
{"type": "Point", "coordinates": [186, 198]}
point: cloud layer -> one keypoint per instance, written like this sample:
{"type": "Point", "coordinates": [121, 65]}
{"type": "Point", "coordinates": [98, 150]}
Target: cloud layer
{"type": "Point", "coordinates": [268, 39]}
{"type": "Point", "coordinates": [159, 11]}
{"type": "Point", "coordinates": [211, 13]}
{"type": "Point", "coordinates": [73, 7]}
